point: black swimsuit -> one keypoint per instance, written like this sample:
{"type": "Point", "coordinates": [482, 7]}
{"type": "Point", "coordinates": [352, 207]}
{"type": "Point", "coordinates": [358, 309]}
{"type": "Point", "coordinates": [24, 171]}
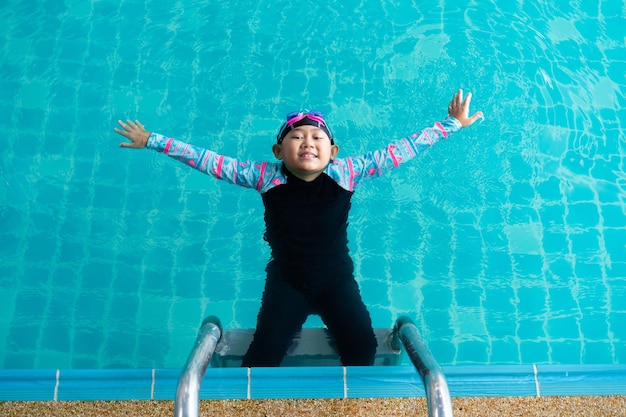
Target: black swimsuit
{"type": "Point", "coordinates": [310, 272]}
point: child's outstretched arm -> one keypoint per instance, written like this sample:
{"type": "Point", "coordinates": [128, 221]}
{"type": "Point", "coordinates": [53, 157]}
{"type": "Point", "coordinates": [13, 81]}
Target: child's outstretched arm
{"type": "Point", "coordinates": [249, 174]}
{"type": "Point", "coordinates": [349, 172]}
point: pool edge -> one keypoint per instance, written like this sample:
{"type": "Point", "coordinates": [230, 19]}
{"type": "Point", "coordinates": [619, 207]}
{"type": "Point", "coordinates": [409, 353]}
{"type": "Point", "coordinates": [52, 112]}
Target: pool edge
{"type": "Point", "coordinates": [312, 382]}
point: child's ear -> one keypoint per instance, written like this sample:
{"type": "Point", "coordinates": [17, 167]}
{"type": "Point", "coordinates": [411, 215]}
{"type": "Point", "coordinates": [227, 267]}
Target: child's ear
{"type": "Point", "coordinates": [278, 151]}
{"type": "Point", "coordinates": [334, 150]}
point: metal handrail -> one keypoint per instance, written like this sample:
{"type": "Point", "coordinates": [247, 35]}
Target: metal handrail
{"type": "Point", "coordinates": [187, 401]}
{"type": "Point", "coordinates": [437, 394]}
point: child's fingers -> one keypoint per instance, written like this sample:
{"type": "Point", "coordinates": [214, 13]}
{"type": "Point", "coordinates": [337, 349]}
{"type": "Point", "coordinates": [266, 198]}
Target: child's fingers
{"type": "Point", "coordinates": [130, 145]}
{"type": "Point", "coordinates": [121, 132]}
{"type": "Point", "coordinates": [458, 97]}
{"type": "Point", "coordinates": [129, 125]}
{"type": "Point", "coordinates": [457, 106]}
{"type": "Point", "coordinates": [476, 116]}
{"type": "Point", "coordinates": [467, 100]}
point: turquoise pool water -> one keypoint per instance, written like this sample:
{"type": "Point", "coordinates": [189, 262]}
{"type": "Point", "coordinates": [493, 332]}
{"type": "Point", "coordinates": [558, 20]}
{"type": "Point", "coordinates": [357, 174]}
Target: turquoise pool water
{"type": "Point", "coordinates": [506, 243]}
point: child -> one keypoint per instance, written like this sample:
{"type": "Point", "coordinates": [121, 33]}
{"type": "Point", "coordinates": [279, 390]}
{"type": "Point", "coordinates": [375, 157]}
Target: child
{"type": "Point", "coordinates": [307, 199]}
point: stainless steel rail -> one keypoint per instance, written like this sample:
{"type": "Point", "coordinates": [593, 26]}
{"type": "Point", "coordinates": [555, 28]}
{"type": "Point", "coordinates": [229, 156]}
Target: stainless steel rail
{"type": "Point", "coordinates": [437, 393]}
{"type": "Point", "coordinates": [188, 391]}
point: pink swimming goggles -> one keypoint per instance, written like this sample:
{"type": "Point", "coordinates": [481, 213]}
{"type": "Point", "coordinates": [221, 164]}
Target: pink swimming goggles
{"type": "Point", "coordinates": [299, 118]}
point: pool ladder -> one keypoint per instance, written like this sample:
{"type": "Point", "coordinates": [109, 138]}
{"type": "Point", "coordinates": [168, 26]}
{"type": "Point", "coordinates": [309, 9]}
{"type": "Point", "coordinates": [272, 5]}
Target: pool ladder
{"type": "Point", "coordinates": [405, 334]}
{"type": "Point", "coordinates": [187, 402]}
{"type": "Point", "coordinates": [438, 397]}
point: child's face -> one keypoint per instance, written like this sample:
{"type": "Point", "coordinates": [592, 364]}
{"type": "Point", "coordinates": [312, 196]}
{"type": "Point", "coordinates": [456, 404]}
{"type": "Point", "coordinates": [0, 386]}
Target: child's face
{"type": "Point", "coordinates": [306, 151]}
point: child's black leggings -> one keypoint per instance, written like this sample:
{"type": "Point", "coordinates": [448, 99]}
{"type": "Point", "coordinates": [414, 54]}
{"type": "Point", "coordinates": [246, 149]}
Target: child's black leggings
{"type": "Point", "coordinates": [286, 305]}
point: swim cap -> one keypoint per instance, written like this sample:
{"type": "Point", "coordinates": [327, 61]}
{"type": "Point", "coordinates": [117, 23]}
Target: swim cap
{"type": "Point", "coordinates": [295, 119]}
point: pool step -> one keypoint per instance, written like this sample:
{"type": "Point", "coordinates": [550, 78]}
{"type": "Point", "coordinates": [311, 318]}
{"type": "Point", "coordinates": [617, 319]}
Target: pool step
{"type": "Point", "coordinates": [310, 347]}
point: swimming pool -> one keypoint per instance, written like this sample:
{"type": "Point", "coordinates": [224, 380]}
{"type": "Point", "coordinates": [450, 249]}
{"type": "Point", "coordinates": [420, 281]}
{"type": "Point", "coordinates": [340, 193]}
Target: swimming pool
{"type": "Point", "coordinates": [506, 243]}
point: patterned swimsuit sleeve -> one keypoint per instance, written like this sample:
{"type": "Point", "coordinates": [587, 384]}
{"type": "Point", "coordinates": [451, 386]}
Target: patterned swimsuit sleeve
{"type": "Point", "coordinates": [350, 171]}
{"type": "Point", "coordinates": [258, 175]}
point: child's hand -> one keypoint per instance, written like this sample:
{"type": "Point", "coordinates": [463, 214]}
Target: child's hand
{"type": "Point", "coordinates": [135, 132]}
{"type": "Point", "coordinates": [459, 109]}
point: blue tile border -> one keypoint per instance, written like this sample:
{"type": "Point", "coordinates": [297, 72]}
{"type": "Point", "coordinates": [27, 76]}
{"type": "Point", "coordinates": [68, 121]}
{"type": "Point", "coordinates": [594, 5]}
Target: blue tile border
{"type": "Point", "coordinates": [35, 385]}
{"type": "Point", "coordinates": [222, 383]}
{"type": "Point", "coordinates": [583, 380]}
{"type": "Point", "coordinates": [165, 381]}
{"type": "Point", "coordinates": [396, 381]}
{"type": "Point", "coordinates": [490, 381]}
{"type": "Point", "coordinates": [112, 384]}
{"type": "Point", "coordinates": [312, 382]}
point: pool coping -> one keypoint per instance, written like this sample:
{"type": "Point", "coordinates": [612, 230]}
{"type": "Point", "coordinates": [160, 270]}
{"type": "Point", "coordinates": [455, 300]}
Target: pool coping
{"type": "Point", "coordinates": [312, 382]}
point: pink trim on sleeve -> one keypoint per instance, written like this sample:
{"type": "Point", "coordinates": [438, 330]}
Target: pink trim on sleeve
{"type": "Point", "coordinates": [351, 171]}
{"type": "Point", "coordinates": [259, 184]}
{"type": "Point", "coordinates": [167, 145]}
{"type": "Point", "coordinates": [443, 130]}
{"type": "Point", "coordinates": [218, 169]}
{"type": "Point", "coordinates": [390, 149]}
